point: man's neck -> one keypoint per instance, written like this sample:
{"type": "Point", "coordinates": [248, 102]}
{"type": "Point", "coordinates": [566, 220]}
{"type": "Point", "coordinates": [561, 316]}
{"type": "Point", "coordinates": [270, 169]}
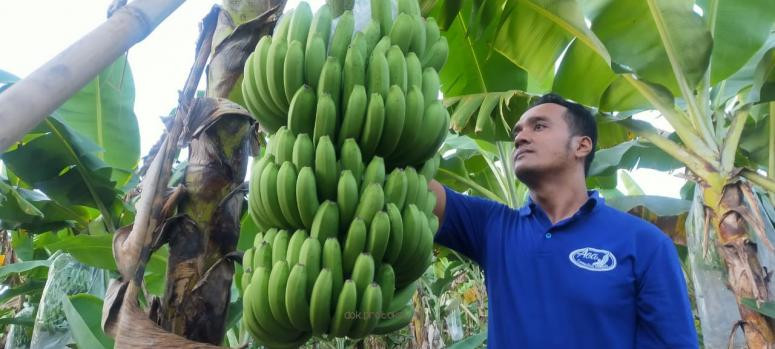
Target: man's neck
{"type": "Point", "coordinates": [560, 196]}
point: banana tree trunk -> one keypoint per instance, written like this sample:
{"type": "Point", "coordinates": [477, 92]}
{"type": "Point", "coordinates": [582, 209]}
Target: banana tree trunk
{"type": "Point", "coordinates": [729, 216]}
{"type": "Point", "coordinates": [203, 235]}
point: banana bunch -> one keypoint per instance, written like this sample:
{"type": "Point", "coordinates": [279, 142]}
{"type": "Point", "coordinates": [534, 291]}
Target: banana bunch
{"type": "Point", "coordinates": [341, 195]}
{"type": "Point", "coordinates": [379, 86]}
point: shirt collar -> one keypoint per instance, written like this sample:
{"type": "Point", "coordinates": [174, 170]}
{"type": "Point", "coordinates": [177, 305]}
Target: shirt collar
{"type": "Point", "coordinates": [594, 200]}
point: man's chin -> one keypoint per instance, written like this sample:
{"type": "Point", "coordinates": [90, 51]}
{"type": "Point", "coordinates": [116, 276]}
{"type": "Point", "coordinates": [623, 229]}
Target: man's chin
{"type": "Point", "coordinates": [526, 174]}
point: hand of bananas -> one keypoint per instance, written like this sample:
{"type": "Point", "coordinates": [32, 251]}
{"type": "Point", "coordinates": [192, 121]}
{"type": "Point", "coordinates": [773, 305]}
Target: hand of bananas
{"type": "Point", "coordinates": [342, 192]}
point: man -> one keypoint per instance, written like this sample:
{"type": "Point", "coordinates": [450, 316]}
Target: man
{"type": "Point", "coordinates": [565, 270]}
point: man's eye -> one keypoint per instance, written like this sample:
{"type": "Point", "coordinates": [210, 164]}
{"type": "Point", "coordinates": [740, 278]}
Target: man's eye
{"type": "Point", "coordinates": [538, 126]}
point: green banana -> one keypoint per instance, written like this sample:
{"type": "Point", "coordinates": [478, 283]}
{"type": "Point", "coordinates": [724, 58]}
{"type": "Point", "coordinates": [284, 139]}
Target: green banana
{"type": "Point", "coordinates": [372, 201]}
{"type": "Point", "coordinates": [410, 7]}
{"type": "Point", "coordinates": [332, 260]}
{"type": "Point", "coordinates": [354, 73]}
{"type": "Point", "coordinates": [413, 72]}
{"type": "Point", "coordinates": [269, 194]}
{"type": "Point", "coordinates": [433, 224]}
{"type": "Point", "coordinates": [326, 172]}
{"type": "Point", "coordinates": [301, 113]}
{"type": "Point", "coordinates": [419, 45]}
{"type": "Point", "coordinates": [354, 115]}
{"type": "Point", "coordinates": [437, 55]}
{"type": "Point", "coordinates": [300, 23]}
{"type": "Point", "coordinates": [284, 146]}
{"type": "Point", "coordinates": [260, 74]}
{"type": "Point", "coordinates": [437, 119]}
{"type": "Point", "coordinates": [354, 245]}
{"type": "Point", "coordinates": [263, 256]}
{"type": "Point", "coordinates": [430, 86]}
{"type": "Point", "coordinates": [415, 108]}
{"type": "Point", "coordinates": [375, 173]}
{"type": "Point", "coordinates": [397, 68]}
{"type": "Point", "coordinates": [378, 74]}
{"type": "Point", "coordinates": [266, 117]}
{"type": "Point", "coordinates": [283, 26]}
{"type": "Point", "coordinates": [293, 69]}
{"type": "Point", "coordinates": [320, 26]}
{"type": "Point", "coordinates": [247, 260]}
{"type": "Point", "coordinates": [422, 192]}
{"type": "Point", "coordinates": [286, 194]}
{"type": "Point", "coordinates": [379, 234]}
{"type": "Point", "coordinates": [331, 81]}
{"type": "Point", "coordinates": [371, 35]}
{"type": "Point", "coordinates": [411, 186]}
{"type": "Point", "coordinates": [432, 33]}
{"type": "Point", "coordinates": [382, 13]}
{"type": "Point", "coordinates": [297, 298]}
{"type": "Point", "coordinates": [269, 236]}
{"type": "Point", "coordinates": [361, 46]}
{"type": "Point", "coordinates": [363, 272]}
{"type": "Point", "coordinates": [325, 119]}
{"type": "Point", "coordinates": [346, 305]}
{"type": "Point", "coordinates": [261, 335]}
{"type": "Point", "coordinates": [402, 296]}
{"type": "Point", "coordinates": [274, 69]}
{"type": "Point", "coordinates": [343, 33]}
{"type": "Point", "coordinates": [402, 32]}
{"type": "Point", "coordinates": [303, 152]}
{"type": "Point", "coordinates": [310, 256]}
{"type": "Point", "coordinates": [294, 246]}
{"type": "Point", "coordinates": [372, 128]}
{"type": "Point", "coordinates": [396, 321]}
{"type": "Point", "coordinates": [280, 246]}
{"type": "Point", "coordinates": [351, 159]}
{"type": "Point", "coordinates": [370, 308]}
{"type": "Point", "coordinates": [386, 278]}
{"type": "Point", "coordinates": [307, 196]}
{"type": "Point", "coordinates": [417, 263]}
{"type": "Point", "coordinates": [278, 280]}
{"type": "Point", "coordinates": [320, 303]}
{"type": "Point", "coordinates": [396, 233]}
{"type": "Point", "coordinates": [382, 46]}
{"type": "Point", "coordinates": [430, 167]}
{"type": "Point", "coordinates": [262, 307]}
{"type": "Point", "coordinates": [395, 110]}
{"type": "Point", "coordinates": [326, 222]}
{"type": "Point", "coordinates": [346, 196]}
{"type": "Point", "coordinates": [413, 225]}
{"type": "Point", "coordinates": [314, 59]}
{"type": "Point", "coordinates": [395, 188]}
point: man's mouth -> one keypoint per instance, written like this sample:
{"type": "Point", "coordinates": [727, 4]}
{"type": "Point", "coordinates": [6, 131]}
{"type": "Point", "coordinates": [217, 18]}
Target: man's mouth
{"type": "Point", "coordinates": [522, 152]}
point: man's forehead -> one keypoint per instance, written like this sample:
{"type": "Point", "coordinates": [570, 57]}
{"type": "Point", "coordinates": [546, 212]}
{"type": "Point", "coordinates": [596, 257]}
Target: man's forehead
{"type": "Point", "coordinates": [548, 111]}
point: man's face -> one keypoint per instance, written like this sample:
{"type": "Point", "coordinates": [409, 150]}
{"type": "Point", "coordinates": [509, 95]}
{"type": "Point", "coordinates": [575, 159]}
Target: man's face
{"type": "Point", "coordinates": [542, 142]}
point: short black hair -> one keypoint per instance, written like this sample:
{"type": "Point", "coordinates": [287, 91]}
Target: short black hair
{"type": "Point", "coordinates": [580, 121]}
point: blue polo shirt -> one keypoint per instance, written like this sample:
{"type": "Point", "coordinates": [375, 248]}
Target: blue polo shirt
{"type": "Point", "coordinates": [599, 279]}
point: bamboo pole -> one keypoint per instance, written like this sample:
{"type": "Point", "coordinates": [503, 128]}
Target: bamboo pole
{"type": "Point", "coordinates": [32, 99]}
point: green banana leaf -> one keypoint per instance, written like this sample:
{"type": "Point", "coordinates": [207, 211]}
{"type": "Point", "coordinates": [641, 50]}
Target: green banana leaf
{"type": "Point", "coordinates": [103, 112]}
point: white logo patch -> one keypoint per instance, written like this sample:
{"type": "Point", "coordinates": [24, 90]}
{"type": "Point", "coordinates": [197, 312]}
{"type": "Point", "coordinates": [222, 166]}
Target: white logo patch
{"type": "Point", "coordinates": [593, 259]}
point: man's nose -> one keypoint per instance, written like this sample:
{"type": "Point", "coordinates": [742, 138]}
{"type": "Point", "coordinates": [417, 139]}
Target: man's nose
{"type": "Point", "coordinates": [521, 138]}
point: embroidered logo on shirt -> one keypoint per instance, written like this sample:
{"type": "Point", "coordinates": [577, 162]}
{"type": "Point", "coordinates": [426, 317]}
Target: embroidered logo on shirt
{"type": "Point", "coordinates": [593, 259]}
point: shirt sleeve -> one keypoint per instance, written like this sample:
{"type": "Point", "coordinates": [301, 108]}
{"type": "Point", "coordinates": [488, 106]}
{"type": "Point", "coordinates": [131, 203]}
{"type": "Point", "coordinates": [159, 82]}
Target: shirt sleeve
{"type": "Point", "coordinates": [665, 318]}
{"type": "Point", "coordinates": [464, 228]}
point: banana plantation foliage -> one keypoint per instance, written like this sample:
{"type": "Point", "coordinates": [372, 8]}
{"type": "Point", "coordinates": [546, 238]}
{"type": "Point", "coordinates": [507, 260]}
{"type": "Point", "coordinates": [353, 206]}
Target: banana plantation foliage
{"type": "Point", "coordinates": [300, 214]}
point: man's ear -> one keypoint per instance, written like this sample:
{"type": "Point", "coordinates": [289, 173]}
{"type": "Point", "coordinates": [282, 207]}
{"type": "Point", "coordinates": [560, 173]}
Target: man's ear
{"type": "Point", "coordinates": [582, 146]}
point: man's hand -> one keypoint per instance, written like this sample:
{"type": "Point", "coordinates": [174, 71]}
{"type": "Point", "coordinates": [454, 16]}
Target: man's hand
{"type": "Point", "coordinates": [441, 200]}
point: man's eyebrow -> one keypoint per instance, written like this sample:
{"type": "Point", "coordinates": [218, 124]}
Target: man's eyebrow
{"type": "Point", "coordinates": [531, 120]}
